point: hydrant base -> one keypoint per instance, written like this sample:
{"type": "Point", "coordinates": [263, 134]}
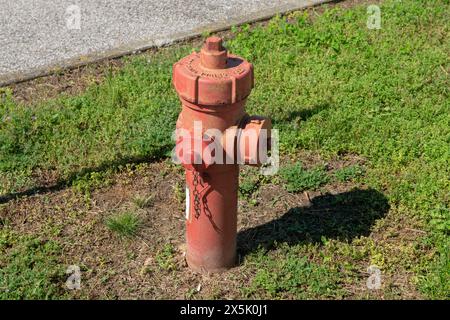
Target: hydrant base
{"type": "Point", "coordinates": [199, 268]}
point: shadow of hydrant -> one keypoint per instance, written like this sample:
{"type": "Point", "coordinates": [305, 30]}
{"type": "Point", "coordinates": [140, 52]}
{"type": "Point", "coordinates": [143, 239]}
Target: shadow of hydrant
{"type": "Point", "coordinates": [343, 216]}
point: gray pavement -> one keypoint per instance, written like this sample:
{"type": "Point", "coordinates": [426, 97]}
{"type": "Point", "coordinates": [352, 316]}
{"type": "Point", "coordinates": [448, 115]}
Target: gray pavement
{"type": "Point", "coordinates": [38, 36]}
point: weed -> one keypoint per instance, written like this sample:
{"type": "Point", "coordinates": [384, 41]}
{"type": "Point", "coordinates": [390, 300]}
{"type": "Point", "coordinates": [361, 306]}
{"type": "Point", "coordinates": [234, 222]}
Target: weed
{"type": "Point", "coordinates": [299, 179]}
{"type": "Point", "coordinates": [290, 275]}
{"type": "Point", "coordinates": [166, 258]}
{"type": "Point", "coordinates": [248, 186]}
{"type": "Point", "coordinates": [125, 224]}
{"type": "Point", "coordinates": [349, 173]}
{"type": "Point", "coordinates": [92, 180]}
{"type": "Point", "coordinates": [143, 201]}
{"type": "Point", "coordinates": [179, 192]}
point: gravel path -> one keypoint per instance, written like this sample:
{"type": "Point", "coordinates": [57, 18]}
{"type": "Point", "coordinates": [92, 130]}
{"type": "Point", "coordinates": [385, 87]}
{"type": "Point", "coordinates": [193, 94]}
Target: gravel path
{"type": "Point", "coordinates": [39, 35]}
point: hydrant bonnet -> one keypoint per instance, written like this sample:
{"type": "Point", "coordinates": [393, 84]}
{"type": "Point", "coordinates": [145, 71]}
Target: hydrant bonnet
{"type": "Point", "coordinates": [213, 77]}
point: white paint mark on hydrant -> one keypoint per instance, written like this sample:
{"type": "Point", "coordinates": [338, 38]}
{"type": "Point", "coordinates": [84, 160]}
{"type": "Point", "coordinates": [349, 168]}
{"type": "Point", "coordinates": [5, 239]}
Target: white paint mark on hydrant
{"type": "Point", "coordinates": [188, 201]}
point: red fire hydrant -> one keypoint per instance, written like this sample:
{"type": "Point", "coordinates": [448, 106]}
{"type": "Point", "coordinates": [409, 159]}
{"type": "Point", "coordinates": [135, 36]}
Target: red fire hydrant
{"type": "Point", "coordinates": [214, 135]}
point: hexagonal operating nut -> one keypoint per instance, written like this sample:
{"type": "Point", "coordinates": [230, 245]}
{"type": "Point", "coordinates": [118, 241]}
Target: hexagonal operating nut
{"type": "Point", "coordinates": [213, 44]}
{"type": "Point", "coordinates": [213, 55]}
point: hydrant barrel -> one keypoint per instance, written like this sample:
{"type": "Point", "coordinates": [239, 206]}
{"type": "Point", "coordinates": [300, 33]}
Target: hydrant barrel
{"type": "Point", "coordinates": [211, 237]}
{"type": "Point", "coordinates": [212, 129]}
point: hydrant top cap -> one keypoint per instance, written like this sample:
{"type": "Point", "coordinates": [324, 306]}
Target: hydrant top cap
{"type": "Point", "coordinates": [213, 76]}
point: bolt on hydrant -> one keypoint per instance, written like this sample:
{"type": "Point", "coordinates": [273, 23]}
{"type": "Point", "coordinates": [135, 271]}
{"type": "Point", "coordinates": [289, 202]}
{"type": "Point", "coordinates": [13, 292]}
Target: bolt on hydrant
{"type": "Point", "coordinates": [213, 136]}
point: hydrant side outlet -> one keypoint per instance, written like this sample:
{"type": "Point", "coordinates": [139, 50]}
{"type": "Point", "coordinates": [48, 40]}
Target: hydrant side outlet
{"type": "Point", "coordinates": [213, 86]}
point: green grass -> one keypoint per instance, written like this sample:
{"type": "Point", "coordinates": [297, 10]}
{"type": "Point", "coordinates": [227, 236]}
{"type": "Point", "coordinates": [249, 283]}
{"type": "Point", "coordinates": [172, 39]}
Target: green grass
{"type": "Point", "coordinates": [29, 268]}
{"type": "Point", "coordinates": [291, 275]}
{"type": "Point", "coordinates": [299, 179]}
{"type": "Point", "coordinates": [123, 120]}
{"type": "Point", "coordinates": [85, 183]}
{"type": "Point", "coordinates": [330, 85]}
{"type": "Point", "coordinates": [124, 224]}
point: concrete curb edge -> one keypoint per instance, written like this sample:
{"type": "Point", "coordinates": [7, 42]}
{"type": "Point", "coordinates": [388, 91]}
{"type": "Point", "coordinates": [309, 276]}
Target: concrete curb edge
{"type": "Point", "coordinates": [132, 48]}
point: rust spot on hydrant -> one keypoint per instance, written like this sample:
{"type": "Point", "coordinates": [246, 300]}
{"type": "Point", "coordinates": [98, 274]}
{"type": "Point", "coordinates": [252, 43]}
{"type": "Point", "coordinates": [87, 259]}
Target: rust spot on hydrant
{"type": "Point", "coordinates": [215, 135]}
